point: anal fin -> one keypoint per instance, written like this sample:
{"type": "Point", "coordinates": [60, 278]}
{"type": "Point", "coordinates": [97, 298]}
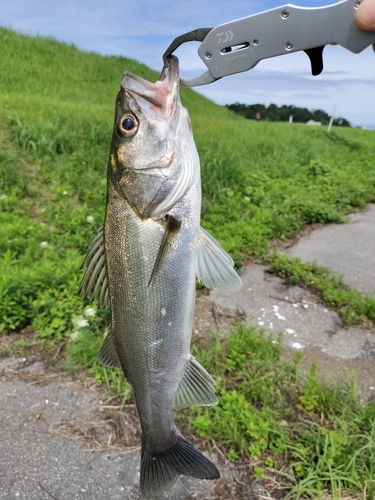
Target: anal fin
{"type": "Point", "coordinates": [195, 387]}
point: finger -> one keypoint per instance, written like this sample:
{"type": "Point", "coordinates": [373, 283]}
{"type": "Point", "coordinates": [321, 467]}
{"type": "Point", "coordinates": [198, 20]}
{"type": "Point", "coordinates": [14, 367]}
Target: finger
{"type": "Point", "coordinates": [365, 15]}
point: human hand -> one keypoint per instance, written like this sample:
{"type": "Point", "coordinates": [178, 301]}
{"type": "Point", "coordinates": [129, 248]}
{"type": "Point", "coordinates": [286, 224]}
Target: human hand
{"type": "Point", "coordinates": [365, 16]}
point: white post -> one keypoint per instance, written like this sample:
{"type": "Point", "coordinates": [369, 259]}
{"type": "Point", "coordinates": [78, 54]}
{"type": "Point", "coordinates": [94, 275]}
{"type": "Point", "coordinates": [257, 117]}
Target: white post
{"type": "Point", "coordinates": [332, 118]}
{"type": "Point", "coordinates": [291, 119]}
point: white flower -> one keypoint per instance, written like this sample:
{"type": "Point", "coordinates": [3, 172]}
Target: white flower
{"type": "Point", "coordinates": [43, 244]}
{"type": "Point", "coordinates": [65, 193]}
{"type": "Point", "coordinates": [89, 312]}
{"type": "Point", "coordinates": [81, 323]}
{"type": "Point", "coordinates": [74, 336]}
{"type": "Point", "coordinates": [90, 219]}
{"type": "Point", "coordinates": [3, 197]}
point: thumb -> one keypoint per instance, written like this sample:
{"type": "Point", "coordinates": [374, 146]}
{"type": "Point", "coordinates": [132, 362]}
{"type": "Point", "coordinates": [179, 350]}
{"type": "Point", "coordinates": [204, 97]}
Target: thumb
{"type": "Point", "coordinates": [365, 15]}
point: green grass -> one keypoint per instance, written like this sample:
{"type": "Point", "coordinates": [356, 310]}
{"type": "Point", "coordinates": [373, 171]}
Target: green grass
{"type": "Point", "coordinates": [274, 178]}
{"type": "Point", "coordinates": [270, 416]}
{"type": "Point", "coordinates": [261, 182]}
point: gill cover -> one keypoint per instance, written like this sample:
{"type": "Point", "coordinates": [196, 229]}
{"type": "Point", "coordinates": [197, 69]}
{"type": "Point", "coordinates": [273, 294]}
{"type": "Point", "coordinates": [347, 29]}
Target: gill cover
{"type": "Point", "coordinates": [154, 160]}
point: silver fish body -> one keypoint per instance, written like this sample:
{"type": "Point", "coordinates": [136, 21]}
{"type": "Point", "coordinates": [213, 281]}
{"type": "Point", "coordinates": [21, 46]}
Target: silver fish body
{"type": "Point", "coordinates": [144, 265]}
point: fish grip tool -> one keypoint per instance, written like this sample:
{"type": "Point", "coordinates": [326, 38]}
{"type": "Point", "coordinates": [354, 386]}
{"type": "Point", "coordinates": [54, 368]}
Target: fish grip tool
{"type": "Point", "coordinates": [197, 35]}
{"type": "Point", "coordinates": [240, 45]}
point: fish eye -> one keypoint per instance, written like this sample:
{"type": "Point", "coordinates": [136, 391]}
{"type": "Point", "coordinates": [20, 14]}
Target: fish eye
{"type": "Point", "coordinates": [128, 125]}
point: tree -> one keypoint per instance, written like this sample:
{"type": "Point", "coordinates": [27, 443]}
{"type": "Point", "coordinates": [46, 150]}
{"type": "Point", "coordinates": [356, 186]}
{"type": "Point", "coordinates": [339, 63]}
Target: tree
{"type": "Point", "coordinates": [275, 113]}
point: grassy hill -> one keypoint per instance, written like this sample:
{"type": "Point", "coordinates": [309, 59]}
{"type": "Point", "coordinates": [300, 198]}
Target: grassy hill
{"type": "Point", "coordinates": [261, 181]}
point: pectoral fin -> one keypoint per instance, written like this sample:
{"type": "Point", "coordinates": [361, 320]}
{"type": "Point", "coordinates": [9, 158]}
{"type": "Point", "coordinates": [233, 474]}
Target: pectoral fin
{"type": "Point", "coordinates": [172, 227]}
{"type": "Point", "coordinates": [214, 265]}
{"type": "Point", "coordinates": [94, 283]}
{"type": "Point", "coordinates": [195, 387]}
{"type": "Point", "coordinates": [107, 355]}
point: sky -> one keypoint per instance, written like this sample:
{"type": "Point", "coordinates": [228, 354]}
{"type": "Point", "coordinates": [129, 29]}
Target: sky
{"type": "Point", "coordinates": [143, 29]}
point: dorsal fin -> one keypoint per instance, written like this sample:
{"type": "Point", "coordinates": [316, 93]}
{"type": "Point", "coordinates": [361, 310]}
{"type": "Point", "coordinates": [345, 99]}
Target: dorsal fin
{"type": "Point", "coordinates": [94, 283]}
{"type": "Point", "coordinates": [171, 228]}
{"type": "Point", "coordinates": [214, 265]}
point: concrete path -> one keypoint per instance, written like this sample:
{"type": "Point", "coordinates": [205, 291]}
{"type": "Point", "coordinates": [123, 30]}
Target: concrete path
{"type": "Point", "coordinates": [347, 249]}
{"type": "Point", "coordinates": [305, 322]}
{"type": "Point", "coordinates": [55, 443]}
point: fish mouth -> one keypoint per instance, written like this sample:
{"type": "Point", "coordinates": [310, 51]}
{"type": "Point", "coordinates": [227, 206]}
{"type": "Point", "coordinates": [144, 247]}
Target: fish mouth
{"type": "Point", "coordinates": [163, 94]}
{"type": "Point", "coordinates": [172, 71]}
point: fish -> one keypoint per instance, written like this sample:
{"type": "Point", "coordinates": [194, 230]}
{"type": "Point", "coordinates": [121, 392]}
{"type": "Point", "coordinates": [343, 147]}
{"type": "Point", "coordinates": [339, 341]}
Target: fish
{"type": "Point", "coordinates": [143, 264]}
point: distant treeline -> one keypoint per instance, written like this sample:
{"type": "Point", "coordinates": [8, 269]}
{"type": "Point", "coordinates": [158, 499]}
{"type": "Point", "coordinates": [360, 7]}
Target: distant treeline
{"type": "Point", "coordinates": [273, 113]}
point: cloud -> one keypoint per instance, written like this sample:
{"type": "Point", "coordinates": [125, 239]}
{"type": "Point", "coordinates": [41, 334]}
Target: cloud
{"type": "Point", "coordinates": [126, 18]}
{"type": "Point", "coordinates": [143, 29]}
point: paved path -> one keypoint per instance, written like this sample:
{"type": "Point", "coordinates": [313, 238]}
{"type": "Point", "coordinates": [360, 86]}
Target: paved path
{"type": "Point", "coordinates": [347, 249]}
{"type": "Point", "coordinates": [34, 455]}
{"type": "Point", "coordinates": [305, 322]}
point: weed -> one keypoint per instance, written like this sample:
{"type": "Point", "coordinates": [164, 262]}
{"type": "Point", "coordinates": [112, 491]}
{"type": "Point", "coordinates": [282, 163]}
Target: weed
{"type": "Point", "coordinates": [243, 420]}
{"type": "Point", "coordinates": [327, 436]}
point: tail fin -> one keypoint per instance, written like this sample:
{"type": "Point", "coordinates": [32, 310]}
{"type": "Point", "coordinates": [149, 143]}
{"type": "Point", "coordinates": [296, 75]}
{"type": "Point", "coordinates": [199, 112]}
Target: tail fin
{"type": "Point", "coordinates": [160, 470]}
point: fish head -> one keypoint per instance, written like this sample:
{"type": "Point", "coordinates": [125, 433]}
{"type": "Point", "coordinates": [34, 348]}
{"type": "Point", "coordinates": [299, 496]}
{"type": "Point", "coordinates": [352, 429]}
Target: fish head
{"type": "Point", "coordinates": [153, 158]}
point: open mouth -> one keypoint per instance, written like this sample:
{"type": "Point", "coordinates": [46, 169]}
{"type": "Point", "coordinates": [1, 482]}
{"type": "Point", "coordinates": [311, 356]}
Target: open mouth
{"type": "Point", "coordinates": [162, 93]}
